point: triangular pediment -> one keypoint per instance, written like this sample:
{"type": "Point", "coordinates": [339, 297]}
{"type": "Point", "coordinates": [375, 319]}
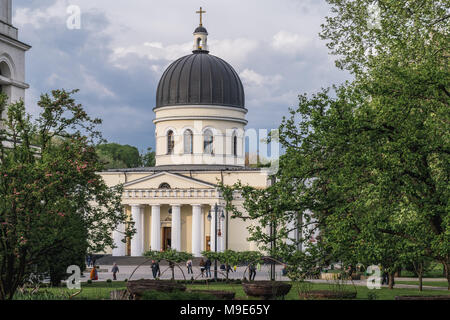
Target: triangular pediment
{"type": "Point", "coordinates": [174, 180]}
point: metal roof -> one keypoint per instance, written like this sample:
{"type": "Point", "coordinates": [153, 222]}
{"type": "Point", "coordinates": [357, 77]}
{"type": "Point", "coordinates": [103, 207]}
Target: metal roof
{"type": "Point", "coordinates": [200, 79]}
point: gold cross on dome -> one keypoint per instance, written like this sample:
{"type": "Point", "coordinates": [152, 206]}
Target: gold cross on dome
{"type": "Point", "coordinates": [201, 13]}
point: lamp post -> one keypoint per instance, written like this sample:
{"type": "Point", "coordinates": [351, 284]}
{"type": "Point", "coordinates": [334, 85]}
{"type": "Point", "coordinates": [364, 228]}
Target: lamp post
{"type": "Point", "coordinates": [222, 217]}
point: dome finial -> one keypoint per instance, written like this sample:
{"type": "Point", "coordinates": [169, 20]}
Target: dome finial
{"type": "Point", "coordinates": [201, 36]}
{"type": "Point", "coordinates": [201, 15]}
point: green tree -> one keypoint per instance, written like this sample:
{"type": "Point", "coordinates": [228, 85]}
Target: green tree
{"type": "Point", "coordinates": [275, 213]}
{"type": "Point", "coordinates": [148, 159]}
{"type": "Point", "coordinates": [118, 156]}
{"type": "Point", "coordinates": [49, 189]}
{"type": "Point", "coordinates": [401, 71]}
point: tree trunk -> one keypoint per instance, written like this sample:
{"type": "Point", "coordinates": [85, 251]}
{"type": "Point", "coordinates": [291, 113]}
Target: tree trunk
{"type": "Point", "coordinates": [447, 273]}
{"type": "Point", "coordinates": [420, 282]}
{"type": "Point", "coordinates": [391, 280]}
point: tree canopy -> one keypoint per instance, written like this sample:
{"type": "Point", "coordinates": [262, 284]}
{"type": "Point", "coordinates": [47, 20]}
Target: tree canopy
{"type": "Point", "coordinates": [53, 206]}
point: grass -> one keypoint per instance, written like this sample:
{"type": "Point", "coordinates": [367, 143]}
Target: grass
{"type": "Point", "coordinates": [426, 283]}
{"type": "Point", "coordinates": [101, 291]}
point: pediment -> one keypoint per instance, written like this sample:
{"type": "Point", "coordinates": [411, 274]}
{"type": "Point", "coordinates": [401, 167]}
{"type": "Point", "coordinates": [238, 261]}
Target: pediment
{"type": "Point", "coordinates": [174, 180]}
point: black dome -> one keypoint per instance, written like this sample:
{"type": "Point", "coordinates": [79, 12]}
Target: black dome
{"type": "Point", "coordinates": [200, 78]}
{"type": "Point", "coordinates": [200, 29]}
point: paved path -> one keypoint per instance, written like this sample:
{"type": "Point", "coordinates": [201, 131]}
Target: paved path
{"type": "Point", "coordinates": [145, 272]}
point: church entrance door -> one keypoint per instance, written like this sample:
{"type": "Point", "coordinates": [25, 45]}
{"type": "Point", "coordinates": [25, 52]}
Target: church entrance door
{"type": "Point", "coordinates": [167, 238]}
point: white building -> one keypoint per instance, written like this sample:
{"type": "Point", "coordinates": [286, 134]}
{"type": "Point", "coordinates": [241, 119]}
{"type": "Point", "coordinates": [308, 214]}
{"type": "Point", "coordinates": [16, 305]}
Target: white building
{"type": "Point", "coordinates": [12, 56]}
{"type": "Point", "coordinates": [200, 120]}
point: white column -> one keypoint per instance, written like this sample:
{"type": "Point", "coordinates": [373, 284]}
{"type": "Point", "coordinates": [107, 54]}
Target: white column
{"type": "Point", "coordinates": [213, 230]}
{"type": "Point", "coordinates": [223, 238]}
{"type": "Point", "coordinates": [118, 236]}
{"type": "Point", "coordinates": [176, 227]}
{"type": "Point", "coordinates": [156, 228]}
{"type": "Point", "coordinates": [202, 239]}
{"type": "Point", "coordinates": [137, 240]}
{"type": "Point", "coordinates": [196, 225]}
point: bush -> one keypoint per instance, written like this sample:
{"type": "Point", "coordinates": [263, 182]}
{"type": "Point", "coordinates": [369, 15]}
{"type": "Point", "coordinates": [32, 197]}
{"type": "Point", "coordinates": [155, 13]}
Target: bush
{"type": "Point", "coordinates": [40, 295]}
{"type": "Point", "coordinates": [176, 295]}
{"type": "Point", "coordinates": [372, 295]}
{"type": "Point", "coordinates": [89, 281]}
{"type": "Point", "coordinates": [109, 281]}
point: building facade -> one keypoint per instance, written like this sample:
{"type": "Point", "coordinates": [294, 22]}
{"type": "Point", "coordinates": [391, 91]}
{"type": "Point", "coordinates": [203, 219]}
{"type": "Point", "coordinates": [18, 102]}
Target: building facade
{"type": "Point", "coordinates": [200, 121]}
{"type": "Point", "coordinates": [12, 56]}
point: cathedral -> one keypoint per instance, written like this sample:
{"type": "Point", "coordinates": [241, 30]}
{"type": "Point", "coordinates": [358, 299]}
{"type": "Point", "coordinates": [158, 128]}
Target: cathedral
{"type": "Point", "coordinates": [200, 119]}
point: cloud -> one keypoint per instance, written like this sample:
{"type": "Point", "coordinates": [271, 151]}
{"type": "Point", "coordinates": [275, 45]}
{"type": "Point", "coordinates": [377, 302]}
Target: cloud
{"type": "Point", "coordinates": [289, 42]}
{"type": "Point", "coordinates": [253, 78]}
{"type": "Point", "coordinates": [123, 47]}
{"type": "Point", "coordinates": [38, 17]}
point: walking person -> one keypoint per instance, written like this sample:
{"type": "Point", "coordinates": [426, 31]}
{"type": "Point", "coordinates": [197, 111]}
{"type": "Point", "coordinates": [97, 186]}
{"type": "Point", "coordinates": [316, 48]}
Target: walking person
{"type": "Point", "coordinates": [115, 270]}
{"type": "Point", "coordinates": [202, 267]}
{"type": "Point", "coordinates": [189, 266]}
{"type": "Point", "coordinates": [94, 273]}
{"type": "Point", "coordinates": [155, 269]}
{"type": "Point", "coordinates": [208, 264]}
{"type": "Point", "coordinates": [88, 260]}
{"type": "Point", "coordinates": [385, 278]}
{"type": "Point", "coordinates": [252, 272]}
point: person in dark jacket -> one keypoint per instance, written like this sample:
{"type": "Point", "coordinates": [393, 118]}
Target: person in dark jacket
{"type": "Point", "coordinates": [202, 267]}
{"type": "Point", "coordinates": [252, 272]}
{"type": "Point", "coordinates": [155, 269]}
{"type": "Point", "coordinates": [115, 270]}
{"type": "Point", "coordinates": [208, 264]}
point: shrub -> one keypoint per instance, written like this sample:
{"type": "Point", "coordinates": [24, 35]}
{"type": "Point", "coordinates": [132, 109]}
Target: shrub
{"type": "Point", "coordinates": [89, 281]}
{"type": "Point", "coordinates": [109, 280]}
{"type": "Point", "coordinates": [372, 295]}
{"type": "Point", "coordinates": [40, 295]}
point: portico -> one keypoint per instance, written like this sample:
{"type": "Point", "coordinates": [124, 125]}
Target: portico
{"type": "Point", "coordinates": [170, 218]}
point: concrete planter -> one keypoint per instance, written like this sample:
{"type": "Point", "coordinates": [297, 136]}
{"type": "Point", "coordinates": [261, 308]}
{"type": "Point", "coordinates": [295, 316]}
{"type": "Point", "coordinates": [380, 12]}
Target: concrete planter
{"type": "Point", "coordinates": [266, 289]}
{"type": "Point", "coordinates": [138, 287]}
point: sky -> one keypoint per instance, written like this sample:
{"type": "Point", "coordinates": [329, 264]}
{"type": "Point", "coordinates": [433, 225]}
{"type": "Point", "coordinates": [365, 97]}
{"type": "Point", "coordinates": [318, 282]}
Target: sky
{"type": "Point", "coordinates": [122, 48]}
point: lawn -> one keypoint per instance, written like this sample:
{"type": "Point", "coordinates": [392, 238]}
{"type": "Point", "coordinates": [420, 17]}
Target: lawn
{"type": "Point", "coordinates": [426, 283]}
{"type": "Point", "coordinates": [101, 291]}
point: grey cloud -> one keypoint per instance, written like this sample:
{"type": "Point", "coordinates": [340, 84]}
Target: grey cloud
{"type": "Point", "coordinates": [121, 88]}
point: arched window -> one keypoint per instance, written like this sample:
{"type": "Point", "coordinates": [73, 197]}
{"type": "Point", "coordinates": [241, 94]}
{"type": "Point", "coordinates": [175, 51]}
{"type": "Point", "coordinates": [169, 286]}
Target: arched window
{"type": "Point", "coordinates": [164, 186]}
{"type": "Point", "coordinates": [199, 44]}
{"type": "Point", "coordinates": [234, 144]}
{"type": "Point", "coordinates": [170, 142]}
{"type": "Point", "coordinates": [188, 142]}
{"type": "Point", "coordinates": [4, 70]}
{"type": "Point", "coordinates": [208, 141]}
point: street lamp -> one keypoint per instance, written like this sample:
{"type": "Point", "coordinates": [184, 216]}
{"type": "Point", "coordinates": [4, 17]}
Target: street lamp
{"type": "Point", "coordinates": [222, 218]}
